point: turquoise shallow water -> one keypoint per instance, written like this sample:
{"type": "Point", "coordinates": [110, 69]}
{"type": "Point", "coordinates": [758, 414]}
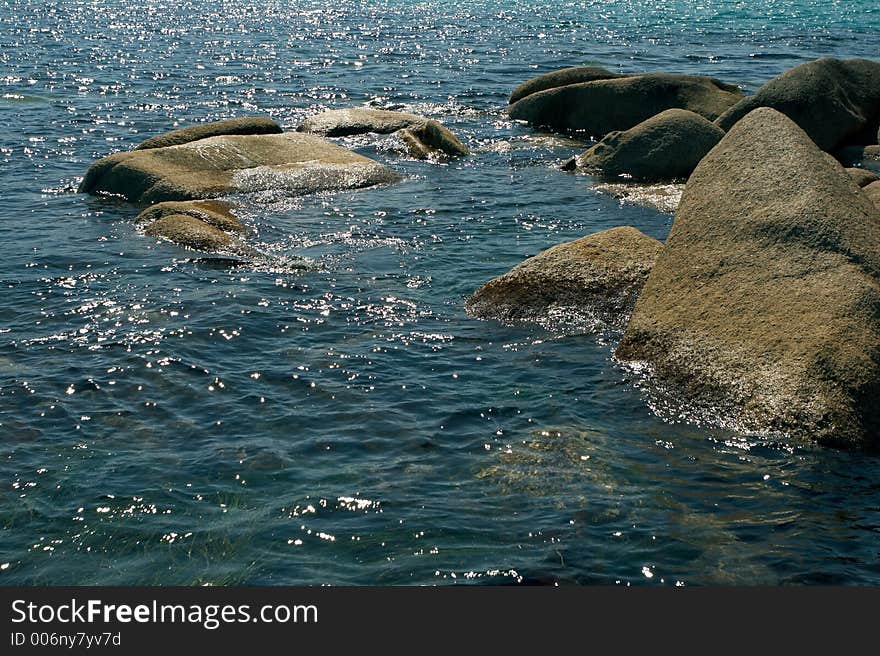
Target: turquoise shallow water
{"type": "Point", "coordinates": [166, 419]}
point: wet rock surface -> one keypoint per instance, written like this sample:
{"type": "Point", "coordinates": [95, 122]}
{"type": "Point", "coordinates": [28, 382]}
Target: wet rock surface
{"type": "Point", "coordinates": [764, 305]}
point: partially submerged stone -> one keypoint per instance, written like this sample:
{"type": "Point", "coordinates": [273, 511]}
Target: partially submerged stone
{"type": "Point", "coordinates": [602, 106]}
{"type": "Point", "coordinates": [247, 125]}
{"type": "Point", "coordinates": [862, 177]}
{"type": "Point", "coordinates": [763, 308]}
{"type": "Point", "coordinates": [218, 166]}
{"type": "Point", "coordinates": [214, 213]}
{"type": "Point", "coordinates": [191, 232]}
{"type": "Point", "coordinates": [561, 78]}
{"type": "Point", "coordinates": [667, 146]}
{"type": "Point", "coordinates": [600, 275]}
{"type": "Point", "coordinates": [358, 120]}
{"type": "Point", "coordinates": [432, 140]}
{"type": "Point", "coordinates": [830, 99]}
{"type": "Point", "coordinates": [423, 138]}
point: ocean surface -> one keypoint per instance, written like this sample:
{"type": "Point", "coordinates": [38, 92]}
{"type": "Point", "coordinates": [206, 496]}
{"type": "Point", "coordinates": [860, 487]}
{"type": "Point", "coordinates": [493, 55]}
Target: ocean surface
{"type": "Point", "coordinates": [331, 415]}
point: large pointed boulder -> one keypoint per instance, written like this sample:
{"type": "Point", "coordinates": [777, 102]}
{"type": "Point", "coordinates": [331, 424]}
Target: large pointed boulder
{"type": "Point", "coordinates": [763, 309]}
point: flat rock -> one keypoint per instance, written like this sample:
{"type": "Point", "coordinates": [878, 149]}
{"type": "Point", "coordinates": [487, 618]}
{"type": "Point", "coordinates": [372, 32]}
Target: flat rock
{"type": "Point", "coordinates": [667, 146]}
{"type": "Point", "coordinates": [247, 125]}
{"type": "Point", "coordinates": [830, 99]}
{"type": "Point", "coordinates": [561, 78]}
{"type": "Point", "coordinates": [217, 166]}
{"type": "Point", "coordinates": [214, 213]}
{"type": "Point", "coordinates": [431, 140]}
{"type": "Point", "coordinates": [862, 177]}
{"type": "Point", "coordinates": [602, 106]}
{"type": "Point", "coordinates": [600, 275]}
{"type": "Point", "coordinates": [358, 120]}
{"type": "Point", "coordinates": [763, 309]}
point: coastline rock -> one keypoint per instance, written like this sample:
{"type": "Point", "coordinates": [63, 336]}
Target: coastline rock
{"type": "Point", "coordinates": [560, 78]}
{"type": "Point", "coordinates": [599, 275]}
{"type": "Point", "coordinates": [191, 232]}
{"type": "Point", "coordinates": [872, 191]}
{"type": "Point", "coordinates": [247, 125]}
{"type": "Point", "coordinates": [764, 305]}
{"type": "Point", "coordinates": [862, 177]}
{"type": "Point", "coordinates": [214, 213]}
{"type": "Point", "coordinates": [602, 106]}
{"type": "Point", "coordinates": [218, 166]}
{"type": "Point", "coordinates": [830, 99]}
{"type": "Point", "coordinates": [432, 140]}
{"type": "Point", "coordinates": [358, 120]}
{"type": "Point", "coordinates": [667, 146]}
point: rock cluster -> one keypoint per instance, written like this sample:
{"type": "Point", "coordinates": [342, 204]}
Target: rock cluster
{"type": "Point", "coordinates": [762, 308]}
{"type": "Point", "coordinates": [176, 174]}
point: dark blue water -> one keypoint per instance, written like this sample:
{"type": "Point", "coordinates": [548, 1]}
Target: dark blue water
{"type": "Point", "coordinates": [166, 419]}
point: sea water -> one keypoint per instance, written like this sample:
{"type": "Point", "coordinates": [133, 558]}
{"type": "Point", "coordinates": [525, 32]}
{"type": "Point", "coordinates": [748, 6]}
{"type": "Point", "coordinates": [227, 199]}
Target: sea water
{"type": "Point", "coordinates": [330, 414]}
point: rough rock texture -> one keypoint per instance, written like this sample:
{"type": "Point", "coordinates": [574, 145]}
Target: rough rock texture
{"type": "Point", "coordinates": [217, 166]}
{"type": "Point", "coordinates": [665, 147]}
{"type": "Point", "coordinates": [764, 306]}
{"type": "Point", "coordinates": [358, 120]}
{"type": "Point", "coordinates": [599, 275]}
{"type": "Point", "coordinates": [248, 125]}
{"type": "Point", "coordinates": [830, 99]}
{"type": "Point", "coordinates": [600, 106]}
{"type": "Point", "coordinates": [872, 191]}
{"type": "Point", "coordinates": [190, 232]}
{"type": "Point", "coordinates": [431, 140]}
{"type": "Point", "coordinates": [214, 213]}
{"type": "Point", "coordinates": [561, 78]}
{"type": "Point", "coordinates": [862, 177]}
